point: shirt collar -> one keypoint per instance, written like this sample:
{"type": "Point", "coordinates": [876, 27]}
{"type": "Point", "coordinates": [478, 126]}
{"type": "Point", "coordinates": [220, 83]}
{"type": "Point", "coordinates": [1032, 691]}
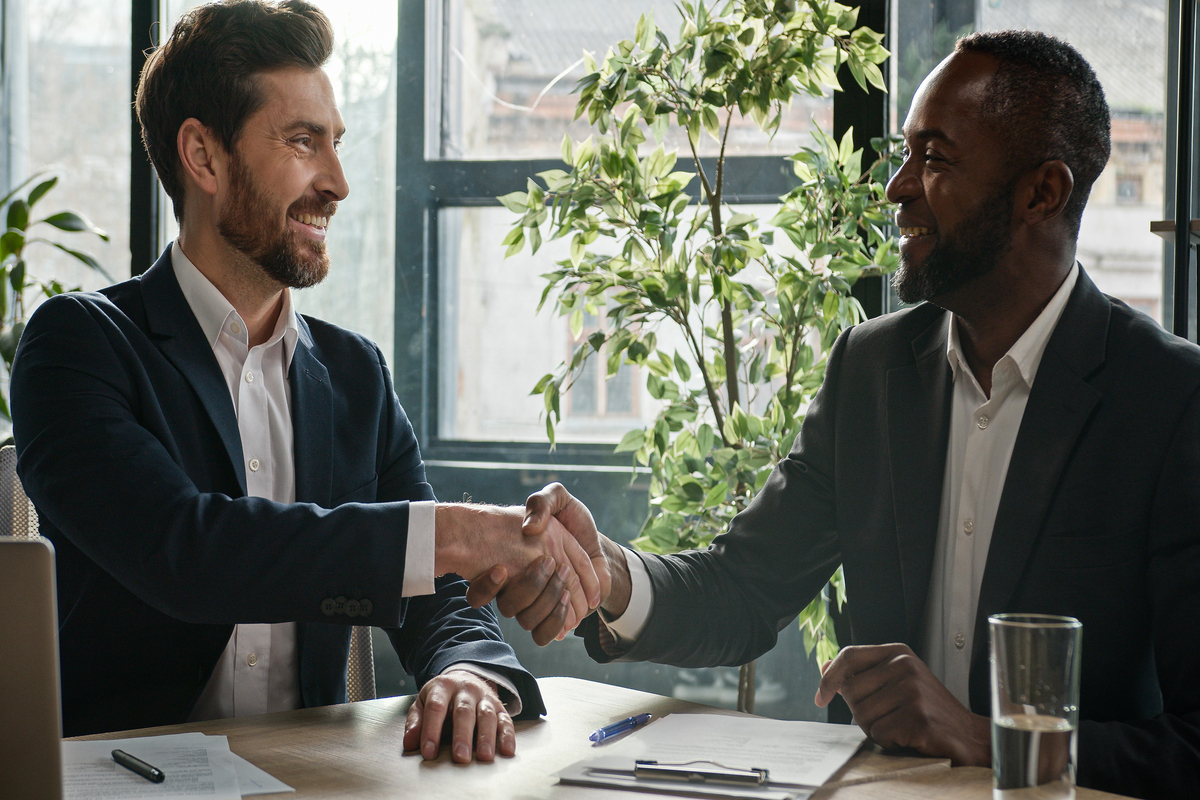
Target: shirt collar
{"type": "Point", "coordinates": [1026, 353]}
{"type": "Point", "coordinates": [213, 311]}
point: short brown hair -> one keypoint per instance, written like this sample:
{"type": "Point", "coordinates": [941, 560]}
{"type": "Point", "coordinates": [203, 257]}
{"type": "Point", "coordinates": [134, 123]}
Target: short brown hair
{"type": "Point", "coordinates": [207, 69]}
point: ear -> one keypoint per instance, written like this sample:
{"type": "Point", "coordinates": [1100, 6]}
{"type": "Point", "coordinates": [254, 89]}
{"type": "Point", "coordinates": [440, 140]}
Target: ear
{"type": "Point", "coordinates": [1047, 188]}
{"type": "Point", "coordinates": [200, 155]}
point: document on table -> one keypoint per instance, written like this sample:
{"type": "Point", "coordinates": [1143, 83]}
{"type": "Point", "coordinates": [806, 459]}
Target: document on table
{"type": "Point", "coordinates": [799, 756]}
{"type": "Point", "coordinates": [197, 767]}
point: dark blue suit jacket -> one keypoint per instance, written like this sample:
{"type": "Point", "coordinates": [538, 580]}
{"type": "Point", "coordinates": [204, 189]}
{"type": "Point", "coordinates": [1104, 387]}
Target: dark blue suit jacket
{"type": "Point", "coordinates": [1099, 519]}
{"type": "Point", "coordinates": [128, 446]}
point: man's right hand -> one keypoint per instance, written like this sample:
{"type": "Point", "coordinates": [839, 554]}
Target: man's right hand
{"type": "Point", "coordinates": [534, 595]}
{"type": "Point", "coordinates": [486, 544]}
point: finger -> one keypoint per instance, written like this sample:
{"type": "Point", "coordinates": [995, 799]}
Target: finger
{"type": "Point", "coordinates": [412, 727]}
{"type": "Point", "coordinates": [581, 562]}
{"type": "Point", "coordinates": [486, 722]}
{"type": "Point", "coordinates": [436, 702]}
{"type": "Point", "coordinates": [548, 629]}
{"type": "Point", "coordinates": [546, 604]}
{"type": "Point", "coordinates": [524, 592]}
{"type": "Point", "coordinates": [851, 661]}
{"type": "Point", "coordinates": [506, 734]}
{"type": "Point", "coordinates": [484, 588]}
{"type": "Point", "coordinates": [465, 705]}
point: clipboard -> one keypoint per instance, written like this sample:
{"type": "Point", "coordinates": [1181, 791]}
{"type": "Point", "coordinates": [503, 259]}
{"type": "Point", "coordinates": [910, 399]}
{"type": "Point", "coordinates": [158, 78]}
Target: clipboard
{"type": "Point", "coordinates": [681, 779]}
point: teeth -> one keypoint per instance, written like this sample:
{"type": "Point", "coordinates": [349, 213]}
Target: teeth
{"type": "Point", "coordinates": [916, 231]}
{"type": "Point", "coordinates": [311, 219]}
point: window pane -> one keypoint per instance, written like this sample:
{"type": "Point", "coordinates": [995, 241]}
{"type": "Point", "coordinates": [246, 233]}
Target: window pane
{"type": "Point", "coordinates": [1125, 42]}
{"type": "Point", "coordinates": [493, 347]}
{"type": "Point", "coordinates": [358, 294]}
{"type": "Point", "coordinates": [74, 122]}
{"type": "Point", "coordinates": [500, 58]}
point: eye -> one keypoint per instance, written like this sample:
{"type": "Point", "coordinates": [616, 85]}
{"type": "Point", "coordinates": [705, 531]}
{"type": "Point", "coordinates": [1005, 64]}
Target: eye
{"type": "Point", "coordinates": [337, 146]}
{"type": "Point", "coordinates": [304, 141]}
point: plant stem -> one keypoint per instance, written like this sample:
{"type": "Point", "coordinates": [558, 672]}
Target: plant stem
{"type": "Point", "coordinates": [731, 353]}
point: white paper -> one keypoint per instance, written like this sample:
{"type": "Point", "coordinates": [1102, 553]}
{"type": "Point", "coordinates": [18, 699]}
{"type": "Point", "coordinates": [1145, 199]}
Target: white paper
{"type": "Point", "coordinates": [198, 767]}
{"type": "Point", "coordinates": [803, 754]}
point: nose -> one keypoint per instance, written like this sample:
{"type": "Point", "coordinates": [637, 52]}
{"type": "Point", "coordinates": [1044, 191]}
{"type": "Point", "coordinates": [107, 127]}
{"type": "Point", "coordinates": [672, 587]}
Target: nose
{"type": "Point", "coordinates": [904, 185]}
{"type": "Point", "coordinates": [332, 182]}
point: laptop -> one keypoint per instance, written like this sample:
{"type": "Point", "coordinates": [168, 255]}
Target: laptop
{"type": "Point", "coordinates": [30, 704]}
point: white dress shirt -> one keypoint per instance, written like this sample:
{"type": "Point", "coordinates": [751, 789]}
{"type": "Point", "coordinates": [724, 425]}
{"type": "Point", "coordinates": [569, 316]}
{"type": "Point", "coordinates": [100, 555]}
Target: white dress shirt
{"type": "Point", "coordinates": [983, 431]}
{"type": "Point", "coordinates": [259, 670]}
{"type": "Point", "coordinates": [982, 434]}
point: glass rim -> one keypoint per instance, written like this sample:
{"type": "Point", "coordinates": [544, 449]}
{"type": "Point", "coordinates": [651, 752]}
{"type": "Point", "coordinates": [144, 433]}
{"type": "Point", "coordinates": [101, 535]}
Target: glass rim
{"type": "Point", "coordinates": [1034, 621]}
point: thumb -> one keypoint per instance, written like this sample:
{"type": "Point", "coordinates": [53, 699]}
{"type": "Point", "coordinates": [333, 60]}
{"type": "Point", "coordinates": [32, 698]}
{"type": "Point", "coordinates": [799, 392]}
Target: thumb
{"type": "Point", "coordinates": [485, 587]}
{"type": "Point", "coordinates": [541, 506]}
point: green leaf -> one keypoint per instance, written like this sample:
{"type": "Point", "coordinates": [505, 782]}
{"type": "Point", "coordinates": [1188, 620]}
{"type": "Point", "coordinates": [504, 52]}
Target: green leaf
{"type": "Point", "coordinates": [40, 190]}
{"type": "Point", "coordinates": [11, 243]}
{"type": "Point", "coordinates": [16, 278]}
{"type": "Point", "coordinates": [568, 151]}
{"type": "Point", "coordinates": [84, 257]}
{"type": "Point", "coordinates": [19, 187]}
{"type": "Point", "coordinates": [70, 221]}
{"type": "Point", "coordinates": [8, 343]}
{"type": "Point", "coordinates": [704, 438]}
{"type": "Point", "coordinates": [631, 441]}
{"type": "Point", "coordinates": [682, 367]}
{"type": "Point", "coordinates": [716, 495]}
{"type": "Point", "coordinates": [18, 215]}
{"type": "Point", "coordinates": [516, 202]}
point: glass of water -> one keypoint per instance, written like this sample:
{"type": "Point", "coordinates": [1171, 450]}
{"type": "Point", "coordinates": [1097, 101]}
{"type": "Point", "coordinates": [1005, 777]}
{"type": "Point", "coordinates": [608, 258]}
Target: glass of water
{"type": "Point", "coordinates": [1035, 705]}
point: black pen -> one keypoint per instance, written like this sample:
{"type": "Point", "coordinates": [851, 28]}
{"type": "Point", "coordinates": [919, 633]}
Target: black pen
{"type": "Point", "coordinates": [135, 764]}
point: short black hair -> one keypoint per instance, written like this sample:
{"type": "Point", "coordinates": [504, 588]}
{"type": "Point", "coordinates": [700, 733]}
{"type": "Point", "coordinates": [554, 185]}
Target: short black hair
{"type": "Point", "coordinates": [208, 68]}
{"type": "Point", "coordinates": [1048, 104]}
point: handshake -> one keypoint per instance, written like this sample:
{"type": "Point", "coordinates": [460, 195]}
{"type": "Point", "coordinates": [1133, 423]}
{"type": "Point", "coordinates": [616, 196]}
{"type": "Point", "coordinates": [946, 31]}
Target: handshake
{"type": "Point", "coordinates": [549, 567]}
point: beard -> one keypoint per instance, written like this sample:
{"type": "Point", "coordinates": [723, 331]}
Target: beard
{"type": "Point", "coordinates": [249, 224]}
{"type": "Point", "coordinates": [970, 251]}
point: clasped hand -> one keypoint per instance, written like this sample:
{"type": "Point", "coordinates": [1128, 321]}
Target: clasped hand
{"type": "Point", "coordinates": [537, 596]}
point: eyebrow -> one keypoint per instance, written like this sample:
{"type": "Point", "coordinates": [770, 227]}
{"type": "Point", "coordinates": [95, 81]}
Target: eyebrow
{"type": "Point", "coordinates": [315, 128]}
{"type": "Point", "coordinates": [931, 133]}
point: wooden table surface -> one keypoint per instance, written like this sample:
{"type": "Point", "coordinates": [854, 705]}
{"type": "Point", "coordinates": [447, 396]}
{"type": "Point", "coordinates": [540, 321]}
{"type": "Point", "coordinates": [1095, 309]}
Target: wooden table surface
{"type": "Point", "coordinates": [354, 752]}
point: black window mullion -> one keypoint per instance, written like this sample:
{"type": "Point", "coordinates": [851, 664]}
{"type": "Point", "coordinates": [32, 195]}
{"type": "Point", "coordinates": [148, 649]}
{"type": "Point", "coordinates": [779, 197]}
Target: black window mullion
{"type": "Point", "coordinates": [144, 205]}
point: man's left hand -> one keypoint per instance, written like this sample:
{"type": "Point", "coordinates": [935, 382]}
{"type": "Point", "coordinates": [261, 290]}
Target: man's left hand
{"type": "Point", "coordinates": [468, 708]}
{"type": "Point", "coordinates": [898, 702]}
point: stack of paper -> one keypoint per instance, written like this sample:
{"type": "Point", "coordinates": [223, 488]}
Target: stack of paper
{"type": "Point", "coordinates": [197, 767]}
{"type": "Point", "coordinates": [799, 756]}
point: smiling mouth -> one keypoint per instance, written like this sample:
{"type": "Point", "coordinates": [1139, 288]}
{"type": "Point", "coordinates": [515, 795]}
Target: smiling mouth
{"type": "Point", "coordinates": [914, 231]}
{"type": "Point", "coordinates": [311, 219]}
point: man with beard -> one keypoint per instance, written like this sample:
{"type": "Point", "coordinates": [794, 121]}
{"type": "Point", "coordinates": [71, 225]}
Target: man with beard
{"type": "Point", "coordinates": [1017, 442]}
{"type": "Point", "coordinates": [230, 486]}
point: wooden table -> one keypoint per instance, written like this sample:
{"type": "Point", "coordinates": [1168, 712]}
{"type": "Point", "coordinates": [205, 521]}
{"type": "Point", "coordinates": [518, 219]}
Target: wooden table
{"type": "Point", "coordinates": [354, 752]}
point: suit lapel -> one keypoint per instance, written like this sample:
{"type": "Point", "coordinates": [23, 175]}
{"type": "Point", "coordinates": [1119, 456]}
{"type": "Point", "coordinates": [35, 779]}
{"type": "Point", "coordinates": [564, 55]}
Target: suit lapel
{"type": "Point", "coordinates": [918, 422]}
{"type": "Point", "coordinates": [312, 421]}
{"type": "Point", "coordinates": [181, 340]}
{"type": "Point", "coordinates": [1060, 404]}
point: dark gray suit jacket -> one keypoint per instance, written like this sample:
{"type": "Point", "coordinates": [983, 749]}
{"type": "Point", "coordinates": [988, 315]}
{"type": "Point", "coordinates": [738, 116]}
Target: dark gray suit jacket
{"type": "Point", "coordinates": [1099, 519]}
{"type": "Point", "coordinates": [128, 445]}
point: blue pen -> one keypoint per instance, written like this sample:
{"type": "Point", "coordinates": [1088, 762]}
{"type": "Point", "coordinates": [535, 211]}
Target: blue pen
{"type": "Point", "coordinates": [627, 724]}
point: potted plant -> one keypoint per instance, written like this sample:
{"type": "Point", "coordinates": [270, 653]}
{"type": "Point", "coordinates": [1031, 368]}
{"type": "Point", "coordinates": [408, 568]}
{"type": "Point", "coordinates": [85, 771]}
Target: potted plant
{"type": "Point", "coordinates": [753, 317]}
{"type": "Point", "coordinates": [19, 288]}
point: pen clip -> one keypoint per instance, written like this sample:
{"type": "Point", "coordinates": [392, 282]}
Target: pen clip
{"type": "Point", "coordinates": [685, 771]}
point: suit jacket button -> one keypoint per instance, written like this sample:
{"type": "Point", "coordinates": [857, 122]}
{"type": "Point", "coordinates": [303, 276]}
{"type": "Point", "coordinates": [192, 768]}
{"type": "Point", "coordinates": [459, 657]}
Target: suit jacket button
{"type": "Point", "coordinates": [364, 607]}
{"type": "Point", "coordinates": [352, 608]}
{"type": "Point", "coordinates": [328, 606]}
{"type": "Point", "coordinates": [339, 605]}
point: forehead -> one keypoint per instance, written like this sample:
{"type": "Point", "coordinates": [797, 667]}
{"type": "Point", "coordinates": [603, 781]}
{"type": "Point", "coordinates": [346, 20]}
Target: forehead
{"type": "Point", "coordinates": [950, 99]}
{"type": "Point", "coordinates": [296, 94]}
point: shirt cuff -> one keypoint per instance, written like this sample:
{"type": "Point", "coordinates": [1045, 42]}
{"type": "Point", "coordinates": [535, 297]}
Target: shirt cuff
{"type": "Point", "coordinates": [419, 551]}
{"type": "Point", "coordinates": [504, 687]}
{"type": "Point", "coordinates": [627, 627]}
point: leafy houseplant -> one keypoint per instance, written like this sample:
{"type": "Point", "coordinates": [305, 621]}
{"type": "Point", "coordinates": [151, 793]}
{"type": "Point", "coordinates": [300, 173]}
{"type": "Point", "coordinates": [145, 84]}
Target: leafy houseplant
{"type": "Point", "coordinates": [19, 289]}
{"type": "Point", "coordinates": [753, 320]}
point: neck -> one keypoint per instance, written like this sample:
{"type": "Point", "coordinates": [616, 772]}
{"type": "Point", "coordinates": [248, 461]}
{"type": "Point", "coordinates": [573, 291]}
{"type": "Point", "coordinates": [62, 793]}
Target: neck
{"type": "Point", "coordinates": [997, 309]}
{"type": "Point", "coordinates": [257, 298]}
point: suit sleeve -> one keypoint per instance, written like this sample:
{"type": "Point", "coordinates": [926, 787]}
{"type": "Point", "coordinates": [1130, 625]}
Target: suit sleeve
{"type": "Point", "coordinates": [1160, 756]}
{"type": "Point", "coordinates": [97, 457]}
{"type": "Point", "coordinates": [442, 629]}
{"type": "Point", "coordinates": [725, 606]}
